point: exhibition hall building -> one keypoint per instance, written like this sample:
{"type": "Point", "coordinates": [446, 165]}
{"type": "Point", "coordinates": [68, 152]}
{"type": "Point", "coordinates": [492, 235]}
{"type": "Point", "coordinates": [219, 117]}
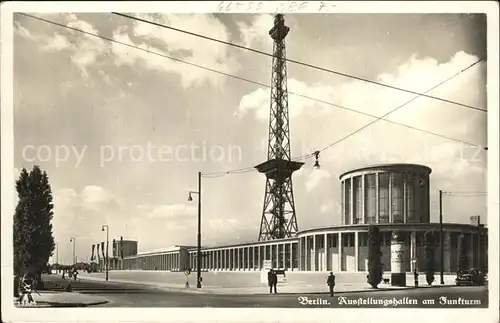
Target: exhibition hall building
{"type": "Point", "coordinates": [394, 197]}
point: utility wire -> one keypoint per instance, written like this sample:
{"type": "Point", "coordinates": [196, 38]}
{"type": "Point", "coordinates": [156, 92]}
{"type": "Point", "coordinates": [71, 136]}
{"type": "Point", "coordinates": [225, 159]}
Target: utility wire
{"type": "Point", "coordinates": [390, 112]}
{"type": "Point", "coordinates": [465, 194]}
{"type": "Point", "coordinates": [483, 195]}
{"type": "Point", "coordinates": [236, 171]}
{"type": "Point", "coordinates": [295, 62]}
{"type": "Point", "coordinates": [245, 169]}
{"type": "Point", "coordinates": [304, 157]}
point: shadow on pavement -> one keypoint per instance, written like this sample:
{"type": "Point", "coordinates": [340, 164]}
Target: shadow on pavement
{"type": "Point", "coordinates": [336, 292]}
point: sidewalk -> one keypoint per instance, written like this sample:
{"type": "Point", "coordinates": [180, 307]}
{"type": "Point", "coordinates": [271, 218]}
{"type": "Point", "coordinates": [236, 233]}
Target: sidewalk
{"type": "Point", "coordinates": [65, 299]}
{"type": "Point", "coordinates": [258, 289]}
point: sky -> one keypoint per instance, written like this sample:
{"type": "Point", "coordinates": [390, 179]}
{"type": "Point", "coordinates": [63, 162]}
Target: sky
{"type": "Point", "coordinates": [123, 133]}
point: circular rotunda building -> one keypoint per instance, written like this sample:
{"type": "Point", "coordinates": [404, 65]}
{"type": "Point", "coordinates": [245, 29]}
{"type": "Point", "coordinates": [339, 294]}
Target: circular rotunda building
{"type": "Point", "coordinates": [396, 198]}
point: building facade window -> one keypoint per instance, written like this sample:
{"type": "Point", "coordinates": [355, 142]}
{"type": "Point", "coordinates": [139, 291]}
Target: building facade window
{"type": "Point", "coordinates": [383, 197]}
{"type": "Point", "coordinates": [351, 239]}
{"type": "Point", "coordinates": [342, 201]}
{"type": "Point", "coordinates": [397, 204]}
{"type": "Point", "coordinates": [358, 196]}
{"type": "Point", "coordinates": [370, 199]}
{"type": "Point", "coordinates": [363, 239]}
{"type": "Point", "coordinates": [411, 181]}
{"type": "Point", "coordinates": [420, 240]}
{"type": "Point", "coordinates": [424, 186]}
{"type": "Point", "coordinates": [347, 202]}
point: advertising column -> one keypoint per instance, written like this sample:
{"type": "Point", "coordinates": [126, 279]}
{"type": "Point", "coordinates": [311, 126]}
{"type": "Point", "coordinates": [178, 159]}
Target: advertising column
{"type": "Point", "coordinates": [398, 275]}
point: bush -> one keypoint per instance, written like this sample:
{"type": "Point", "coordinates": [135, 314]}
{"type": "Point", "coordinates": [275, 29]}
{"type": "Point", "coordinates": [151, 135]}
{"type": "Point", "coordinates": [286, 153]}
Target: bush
{"type": "Point", "coordinates": [375, 269]}
{"type": "Point", "coordinates": [430, 245]}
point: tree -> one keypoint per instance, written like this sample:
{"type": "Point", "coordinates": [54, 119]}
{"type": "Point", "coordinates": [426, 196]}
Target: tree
{"type": "Point", "coordinates": [430, 247]}
{"type": "Point", "coordinates": [375, 268]}
{"type": "Point", "coordinates": [462, 260]}
{"type": "Point", "coordinates": [33, 239]}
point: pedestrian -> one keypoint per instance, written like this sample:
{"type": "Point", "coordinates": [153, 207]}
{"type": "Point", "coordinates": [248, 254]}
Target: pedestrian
{"type": "Point", "coordinates": [26, 285]}
{"type": "Point", "coordinates": [331, 283]}
{"type": "Point", "coordinates": [63, 274]}
{"type": "Point", "coordinates": [415, 276]}
{"type": "Point", "coordinates": [272, 280]}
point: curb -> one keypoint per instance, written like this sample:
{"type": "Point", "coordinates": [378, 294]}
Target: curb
{"type": "Point", "coordinates": [305, 292]}
{"type": "Point", "coordinates": [210, 292]}
{"type": "Point", "coordinates": [56, 304]}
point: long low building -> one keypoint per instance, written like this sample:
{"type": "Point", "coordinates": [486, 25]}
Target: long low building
{"type": "Point", "coordinates": [394, 197]}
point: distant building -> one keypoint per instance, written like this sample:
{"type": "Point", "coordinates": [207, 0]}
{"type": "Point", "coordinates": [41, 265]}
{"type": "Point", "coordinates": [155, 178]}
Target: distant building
{"type": "Point", "coordinates": [395, 197]}
{"type": "Point", "coordinates": [129, 248]}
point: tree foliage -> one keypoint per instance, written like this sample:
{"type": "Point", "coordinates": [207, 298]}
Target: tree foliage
{"type": "Point", "coordinates": [463, 261]}
{"type": "Point", "coordinates": [430, 247]}
{"type": "Point", "coordinates": [33, 239]}
{"type": "Point", "coordinates": [375, 267]}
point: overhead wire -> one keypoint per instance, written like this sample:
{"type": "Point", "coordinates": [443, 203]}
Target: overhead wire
{"type": "Point", "coordinates": [248, 169]}
{"type": "Point", "coordinates": [388, 113]}
{"type": "Point", "coordinates": [295, 61]}
{"type": "Point", "coordinates": [465, 194]}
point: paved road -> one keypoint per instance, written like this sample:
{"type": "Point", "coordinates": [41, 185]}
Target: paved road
{"type": "Point", "coordinates": [132, 295]}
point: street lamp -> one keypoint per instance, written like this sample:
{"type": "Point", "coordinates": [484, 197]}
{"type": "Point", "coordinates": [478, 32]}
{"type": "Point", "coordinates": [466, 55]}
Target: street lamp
{"type": "Point", "coordinates": [107, 244]}
{"type": "Point", "coordinates": [198, 257]}
{"type": "Point", "coordinates": [316, 161]}
{"type": "Point", "coordinates": [74, 241]}
{"type": "Point", "coordinates": [441, 240]}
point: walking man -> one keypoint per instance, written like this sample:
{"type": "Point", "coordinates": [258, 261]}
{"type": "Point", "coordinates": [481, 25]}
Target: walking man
{"type": "Point", "coordinates": [415, 277]}
{"type": "Point", "coordinates": [272, 280]}
{"type": "Point", "coordinates": [331, 283]}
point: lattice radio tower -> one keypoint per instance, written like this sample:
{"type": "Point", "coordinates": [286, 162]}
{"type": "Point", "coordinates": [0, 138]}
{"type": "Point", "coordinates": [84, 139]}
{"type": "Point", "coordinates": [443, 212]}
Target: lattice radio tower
{"type": "Point", "coordinates": [278, 215]}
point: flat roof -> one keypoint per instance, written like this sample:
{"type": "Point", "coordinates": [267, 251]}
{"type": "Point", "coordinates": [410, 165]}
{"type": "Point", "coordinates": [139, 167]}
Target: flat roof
{"type": "Point", "coordinates": [389, 226]}
{"type": "Point", "coordinates": [427, 169]}
{"type": "Point", "coordinates": [162, 250]}
{"type": "Point", "coordinates": [335, 228]}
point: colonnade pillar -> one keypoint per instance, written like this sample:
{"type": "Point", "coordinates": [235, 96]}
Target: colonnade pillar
{"type": "Point", "coordinates": [356, 250]}
{"type": "Point", "coordinates": [339, 244]}
{"type": "Point", "coordinates": [314, 254]}
{"type": "Point", "coordinates": [446, 251]}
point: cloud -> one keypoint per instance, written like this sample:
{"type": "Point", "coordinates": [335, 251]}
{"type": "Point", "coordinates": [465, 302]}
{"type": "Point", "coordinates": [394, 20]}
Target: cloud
{"type": "Point", "coordinates": [178, 45]}
{"type": "Point", "coordinates": [179, 212]}
{"type": "Point", "coordinates": [258, 101]}
{"type": "Point", "coordinates": [96, 198]}
{"type": "Point", "coordinates": [91, 198]}
{"type": "Point", "coordinates": [56, 43]}
{"type": "Point", "coordinates": [84, 49]}
{"type": "Point", "coordinates": [23, 32]}
{"type": "Point", "coordinates": [255, 34]}
{"type": "Point", "coordinates": [427, 114]}
{"type": "Point", "coordinates": [324, 208]}
{"type": "Point", "coordinates": [315, 177]}
{"type": "Point", "coordinates": [314, 125]}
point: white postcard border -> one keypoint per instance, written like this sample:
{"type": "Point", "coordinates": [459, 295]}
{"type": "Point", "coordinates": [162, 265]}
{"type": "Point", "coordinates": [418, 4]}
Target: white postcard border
{"type": "Point", "coordinates": [10, 313]}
